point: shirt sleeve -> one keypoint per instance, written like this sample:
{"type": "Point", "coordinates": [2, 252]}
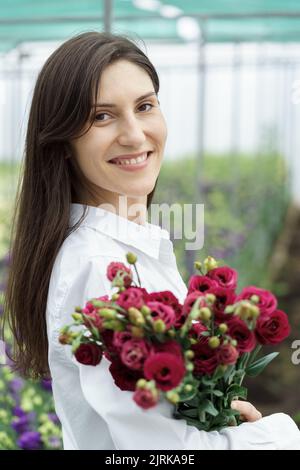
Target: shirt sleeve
{"type": "Point", "coordinates": [130, 426]}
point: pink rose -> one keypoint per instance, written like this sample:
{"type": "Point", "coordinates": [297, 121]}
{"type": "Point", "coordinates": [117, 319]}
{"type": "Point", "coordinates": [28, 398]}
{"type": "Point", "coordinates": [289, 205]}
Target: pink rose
{"type": "Point", "coordinates": [272, 328]}
{"type": "Point", "coordinates": [131, 297]}
{"type": "Point", "coordinates": [163, 312]}
{"type": "Point", "coordinates": [224, 276]}
{"type": "Point", "coordinates": [166, 369]}
{"type": "Point", "coordinates": [114, 267]}
{"type": "Point", "coordinates": [267, 301]}
{"type": "Point", "coordinates": [201, 283]}
{"type": "Point", "coordinates": [239, 330]}
{"type": "Point", "coordinates": [145, 398]}
{"type": "Point", "coordinates": [89, 354]}
{"type": "Point", "coordinates": [227, 354]}
{"type": "Point", "coordinates": [168, 298]}
{"type": "Point", "coordinates": [134, 353]}
{"type": "Point", "coordinates": [120, 337]}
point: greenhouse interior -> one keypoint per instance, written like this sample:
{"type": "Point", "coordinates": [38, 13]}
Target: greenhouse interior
{"type": "Point", "coordinates": [229, 76]}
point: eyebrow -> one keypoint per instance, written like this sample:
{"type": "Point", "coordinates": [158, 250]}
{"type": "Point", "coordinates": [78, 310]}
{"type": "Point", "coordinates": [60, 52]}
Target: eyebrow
{"type": "Point", "coordinates": [111, 105]}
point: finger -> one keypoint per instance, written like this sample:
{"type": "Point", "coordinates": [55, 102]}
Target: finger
{"type": "Point", "coordinates": [247, 411]}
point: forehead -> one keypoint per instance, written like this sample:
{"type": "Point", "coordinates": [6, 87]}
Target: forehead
{"type": "Point", "coordinates": [123, 79]}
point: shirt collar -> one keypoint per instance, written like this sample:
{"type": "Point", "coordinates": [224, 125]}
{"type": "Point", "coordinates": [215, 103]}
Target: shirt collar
{"type": "Point", "coordinates": [149, 238]}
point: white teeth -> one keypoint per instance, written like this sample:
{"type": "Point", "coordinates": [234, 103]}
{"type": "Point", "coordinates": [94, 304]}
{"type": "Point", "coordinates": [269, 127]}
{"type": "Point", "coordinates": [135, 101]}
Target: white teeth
{"type": "Point", "coordinates": [132, 161]}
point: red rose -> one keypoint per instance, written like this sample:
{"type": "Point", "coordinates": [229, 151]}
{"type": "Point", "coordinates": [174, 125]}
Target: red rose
{"type": "Point", "coordinates": [114, 267]}
{"type": "Point", "coordinates": [267, 301]}
{"type": "Point", "coordinates": [201, 283]}
{"type": "Point", "coordinates": [166, 369]}
{"type": "Point", "coordinates": [224, 276]}
{"type": "Point", "coordinates": [272, 328]}
{"type": "Point", "coordinates": [108, 337]}
{"type": "Point", "coordinates": [131, 297]}
{"type": "Point", "coordinates": [171, 347]}
{"type": "Point", "coordinates": [124, 377]}
{"type": "Point", "coordinates": [134, 353]}
{"type": "Point", "coordinates": [167, 298]}
{"type": "Point", "coordinates": [205, 360]}
{"type": "Point", "coordinates": [239, 330]}
{"type": "Point", "coordinates": [227, 354]}
{"type": "Point", "coordinates": [191, 299]}
{"type": "Point", "coordinates": [89, 354]}
{"type": "Point", "coordinates": [163, 312]}
{"type": "Point", "coordinates": [145, 398]}
{"type": "Point", "coordinates": [224, 297]}
{"type": "Point", "coordinates": [196, 330]}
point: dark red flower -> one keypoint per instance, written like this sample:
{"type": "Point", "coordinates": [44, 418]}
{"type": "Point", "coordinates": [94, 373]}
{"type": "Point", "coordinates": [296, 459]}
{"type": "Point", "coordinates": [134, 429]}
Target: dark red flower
{"type": "Point", "coordinates": [124, 377]}
{"type": "Point", "coordinates": [166, 369]}
{"type": "Point", "coordinates": [201, 283]}
{"type": "Point", "coordinates": [114, 267]}
{"type": "Point", "coordinates": [145, 398]}
{"type": "Point", "coordinates": [239, 330]}
{"type": "Point", "coordinates": [224, 276]}
{"type": "Point", "coordinates": [163, 312]}
{"type": "Point", "coordinates": [131, 297]}
{"type": "Point", "coordinates": [205, 360]}
{"type": "Point", "coordinates": [227, 354]}
{"type": "Point", "coordinates": [272, 328]}
{"type": "Point", "coordinates": [89, 354]}
{"type": "Point", "coordinates": [190, 300]}
{"type": "Point", "coordinates": [134, 353]}
{"type": "Point", "coordinates": [267, 301]}
{"type": "Point", "coordinates": [168, 298]}
{"type": "Point", "coordinates": [224, 297]}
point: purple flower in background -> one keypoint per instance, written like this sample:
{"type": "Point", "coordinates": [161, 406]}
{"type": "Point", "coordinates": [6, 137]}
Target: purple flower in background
{"type": "Point", "coordinates": [54, 442]}
{"type": "Point", "coordinates": [54, 418]}
{"type": "Point", "coordinates": [47, 384]}
{"type": "Point", "coordinates": [21, 425]}
{"type": "Point", "coordinates": [30, 440]}
{"type": "Point", "coordinates": [15, 385]}
{"type": "Point", "coordinates": [17, 411]}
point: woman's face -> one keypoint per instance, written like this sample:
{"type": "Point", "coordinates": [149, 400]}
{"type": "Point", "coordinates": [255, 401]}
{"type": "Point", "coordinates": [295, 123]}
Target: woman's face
{"type": "Point", "coordinates": [133, 125]}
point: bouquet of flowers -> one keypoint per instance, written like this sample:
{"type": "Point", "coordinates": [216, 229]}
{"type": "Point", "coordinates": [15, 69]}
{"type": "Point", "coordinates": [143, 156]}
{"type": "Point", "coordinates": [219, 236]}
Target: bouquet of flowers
{"type": "Point", "coordinates": [194, 354]}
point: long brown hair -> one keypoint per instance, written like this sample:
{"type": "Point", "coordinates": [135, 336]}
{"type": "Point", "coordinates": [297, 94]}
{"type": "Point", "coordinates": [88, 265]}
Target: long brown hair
{"type": "Point", "coordinates": [61, 106]}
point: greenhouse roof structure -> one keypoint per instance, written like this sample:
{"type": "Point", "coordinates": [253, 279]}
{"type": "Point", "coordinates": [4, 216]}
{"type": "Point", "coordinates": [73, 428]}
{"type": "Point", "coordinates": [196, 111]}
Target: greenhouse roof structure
{"type": "Point", "coordinates": [177, 21]}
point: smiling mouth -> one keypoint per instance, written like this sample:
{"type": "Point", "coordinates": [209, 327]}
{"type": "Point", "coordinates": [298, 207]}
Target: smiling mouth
{"type": "Point", "coordinates": [131, 162]}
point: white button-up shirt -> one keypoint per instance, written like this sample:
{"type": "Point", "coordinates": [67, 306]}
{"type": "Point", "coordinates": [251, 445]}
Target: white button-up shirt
{"type": "Point", "coordinates": [94, 412]}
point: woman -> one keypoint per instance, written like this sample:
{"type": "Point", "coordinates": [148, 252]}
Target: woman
{"type": "Point", "coordinates": [83, 204]}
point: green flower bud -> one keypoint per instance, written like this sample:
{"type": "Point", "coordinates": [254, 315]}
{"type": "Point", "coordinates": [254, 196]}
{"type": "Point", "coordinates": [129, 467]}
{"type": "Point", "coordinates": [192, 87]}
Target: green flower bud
{"type": "Point", "coordinates": [211, 298]}
{"type": "Point", "coordinates": [210, 263]}
{"type": "Point", "coordinates": [137, 332]}
{"type": "Point", "coordinates": [214, 342]}
{"type": "Point", "coordinates": [135, 316]}
{"type": "Point", "coordinates": [234, 342]}
{"type": "Point", "coordinates": [107, 313]}
{"type": "Point", "coordinates": [190, 367]}
{"type": "Point", "coordinates": [145, 310]}
{"type": "Point", "coordinates": [171, 333]}
{"type": "Point", "coordinates": [131, 258]}
{"type": "Point", "coordinates": [205, 313]}
{"type": "Point", "coordinates": [141, 383]}
{"type": "Point", "coordinates": [189, 354]}
{"type": "Point", "coordinates": [188, 388]}
{"type": "Point", "coordinates": [159, 326]}
{"type": "Point", "coordinates": [223, 328]}
{"type": "Point", "coordinates": [115, 296]}
{"type": "Point", "coordinates": [173, 397]}
{"type": "Point", "coordinates": [78, 309]}
{"type": "Point", "coordinates": [254, 298]}
{"type": "Point", "coordinates": [198, 265]}
{"type": "Point", "coordinates": [76, 316]}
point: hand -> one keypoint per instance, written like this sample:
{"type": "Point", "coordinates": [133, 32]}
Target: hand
{"type": "Point", "coordinates": [248, 412]}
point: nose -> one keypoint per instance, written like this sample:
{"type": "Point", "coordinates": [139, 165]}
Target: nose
{"type": "Point", "coordinates": [131, 132]}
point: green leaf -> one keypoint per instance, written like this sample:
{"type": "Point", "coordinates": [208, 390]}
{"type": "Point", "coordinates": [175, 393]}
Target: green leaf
{"type": "Point", "coordinates": [236, 390]}
{"type": "Point", "coordinates": [207, 407]}
{"type": "Point", "coordinates": [258, 366]}
{"type": "Point", "coordinates": [218, 393]}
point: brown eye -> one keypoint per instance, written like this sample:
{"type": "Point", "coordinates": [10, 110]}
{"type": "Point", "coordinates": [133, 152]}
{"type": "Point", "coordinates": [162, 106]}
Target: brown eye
{"type": "Point", "coordinates": [147, 104]}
